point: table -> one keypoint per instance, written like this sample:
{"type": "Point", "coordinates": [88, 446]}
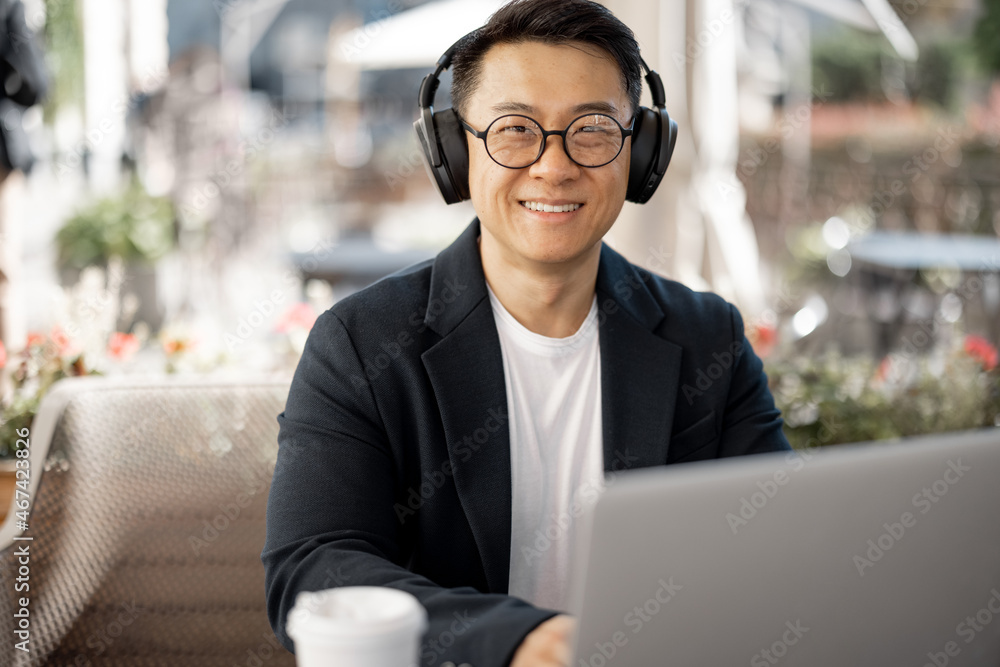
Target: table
{"type": "Point", "coordinates": [355, 262]}
{"type": "Point", "coordinates": [888, 263]}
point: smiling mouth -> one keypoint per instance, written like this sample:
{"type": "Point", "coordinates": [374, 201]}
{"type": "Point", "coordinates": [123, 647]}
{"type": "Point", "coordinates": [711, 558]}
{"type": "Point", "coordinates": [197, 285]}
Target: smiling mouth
{"type": "Point", "coordinates": [550, 208]}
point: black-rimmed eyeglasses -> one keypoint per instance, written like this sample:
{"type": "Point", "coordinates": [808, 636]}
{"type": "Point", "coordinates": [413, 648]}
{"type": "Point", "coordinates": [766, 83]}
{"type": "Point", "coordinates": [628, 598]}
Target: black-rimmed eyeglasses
{"type": "Point", "coordinates": [516, 142]}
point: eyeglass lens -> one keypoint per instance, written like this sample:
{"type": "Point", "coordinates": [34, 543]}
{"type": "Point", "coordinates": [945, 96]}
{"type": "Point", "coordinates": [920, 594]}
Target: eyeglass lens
{"type": "Point", "coordinates": [591, 141]}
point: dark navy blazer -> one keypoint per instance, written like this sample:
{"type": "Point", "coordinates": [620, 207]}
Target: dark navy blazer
{"type": "Point", "coordinates": [394, 461]}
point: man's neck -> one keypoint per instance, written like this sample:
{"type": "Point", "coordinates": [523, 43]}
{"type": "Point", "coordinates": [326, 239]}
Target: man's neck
{"type": "Point", "coordinates": [550, 300]}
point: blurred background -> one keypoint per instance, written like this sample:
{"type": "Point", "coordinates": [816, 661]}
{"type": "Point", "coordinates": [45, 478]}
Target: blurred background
{"type": "Point", "coordinates": [187, 184]}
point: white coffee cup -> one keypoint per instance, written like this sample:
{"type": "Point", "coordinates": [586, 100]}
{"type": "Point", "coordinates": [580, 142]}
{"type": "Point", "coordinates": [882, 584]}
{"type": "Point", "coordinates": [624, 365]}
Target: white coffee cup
{"type": "Point", "coordinates": [357, 626]}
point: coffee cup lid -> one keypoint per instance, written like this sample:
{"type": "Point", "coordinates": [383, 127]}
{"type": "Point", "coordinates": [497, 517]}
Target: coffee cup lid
{"type": "Point", "coordinates": [339, 614]}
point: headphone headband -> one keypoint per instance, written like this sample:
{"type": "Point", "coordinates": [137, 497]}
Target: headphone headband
{"type": "Point", "coordinates": [430, 83]}
{"type": "Point", "coordinates": [446, 153]}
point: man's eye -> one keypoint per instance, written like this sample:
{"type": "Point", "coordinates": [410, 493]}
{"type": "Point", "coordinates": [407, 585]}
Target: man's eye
{"type": "Point", "coordinates": [516, 129]}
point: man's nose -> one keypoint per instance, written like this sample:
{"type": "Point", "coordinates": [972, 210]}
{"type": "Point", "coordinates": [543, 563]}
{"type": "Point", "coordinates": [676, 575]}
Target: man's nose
{"type": "Point", "coordinates": [554, 162]}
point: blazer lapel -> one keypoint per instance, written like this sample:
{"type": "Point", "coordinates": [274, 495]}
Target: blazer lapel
{"type": "Point", "coordinates": [466, 372]}
{"type": "Point", "coordinates": [639, 370]}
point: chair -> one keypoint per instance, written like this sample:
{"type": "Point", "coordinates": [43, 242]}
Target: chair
{"type": "Point", "coordinates": [147, 522]}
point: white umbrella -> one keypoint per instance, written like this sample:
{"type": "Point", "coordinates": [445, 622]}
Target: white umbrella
{"type": "Point", "coordinates": [413, 38]}
{"type": "Point", "coordinates": [870, 15]}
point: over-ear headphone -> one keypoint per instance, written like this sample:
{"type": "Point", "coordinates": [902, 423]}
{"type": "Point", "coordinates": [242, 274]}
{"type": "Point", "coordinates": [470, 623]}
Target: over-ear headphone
{"type": "Point", "coordinates": [446, 153]}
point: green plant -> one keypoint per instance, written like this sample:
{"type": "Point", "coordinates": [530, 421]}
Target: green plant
{"type": "Point", "coordinates": [44, 360]}
{"type": "Point", "coordinates": [846, 66]}
{"type": "Point", "coordinates": [986, 38]}
{"type": "Point", "coordinates": [64, 55]}
{"type": "Point", "coordinates": [851, 66]}
{"type": "Point", "coordinates": [937, 73]}
{"type": "Point", "coordinates": [133, 226]}
{"type": "Point", "coordinates": [833, 399]}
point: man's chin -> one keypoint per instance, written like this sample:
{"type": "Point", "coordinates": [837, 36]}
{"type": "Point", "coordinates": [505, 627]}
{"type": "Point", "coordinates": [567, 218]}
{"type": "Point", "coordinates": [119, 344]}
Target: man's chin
{"type": "Point", "coordinates": [556, 254]}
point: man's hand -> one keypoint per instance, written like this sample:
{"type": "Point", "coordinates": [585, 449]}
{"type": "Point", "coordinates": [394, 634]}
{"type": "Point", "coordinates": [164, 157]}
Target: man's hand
{"type": "Point", "coordinates": [547, 645]}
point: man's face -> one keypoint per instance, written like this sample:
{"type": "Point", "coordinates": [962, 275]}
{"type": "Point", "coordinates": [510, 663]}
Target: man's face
{"type": "Point", "coordinates": [553, 85]}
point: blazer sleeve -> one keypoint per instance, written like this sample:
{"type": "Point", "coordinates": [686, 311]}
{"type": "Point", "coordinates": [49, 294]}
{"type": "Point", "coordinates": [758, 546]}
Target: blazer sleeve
{"type": "Point", "coordinates": [330, 518]}
{"type": "Point", "coordinates": [751, 423]}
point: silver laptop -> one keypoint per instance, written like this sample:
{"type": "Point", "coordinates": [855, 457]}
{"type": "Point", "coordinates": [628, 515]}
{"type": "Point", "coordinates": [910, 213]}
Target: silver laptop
{"type": "Point", "coordinates": [885, 555]}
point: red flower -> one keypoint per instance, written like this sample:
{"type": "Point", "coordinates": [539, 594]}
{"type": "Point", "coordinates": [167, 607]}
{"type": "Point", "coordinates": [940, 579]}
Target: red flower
{"type": "Point", "coordinates": [41, 344]}
{"type": "Point", "coordinates": [122, 346]}
{"type": "Point", "coordinates": [65, 347]}
{"type": "Point", "coordinates": [61, 338]}
{"type": "Point", "coordinates": [174, 346]}
{"type": "Point", "coordinates": [980, 349]}
{"type": "Point", "coordinates": [883, 370]}
{"type": "Point", "coordinates": [763, 338]}
{"type": "Point", "coordinates": [298, 315]}
{"type": "Point", "coordinates": [3, 355]}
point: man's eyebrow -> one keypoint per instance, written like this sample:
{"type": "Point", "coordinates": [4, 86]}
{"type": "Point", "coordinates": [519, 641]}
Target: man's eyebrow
{"type": "Point", "coordinates": [521, 107]}
{"type": "Point", "coordinates": [597, 107]}
{"type": "Point", "coordinates": [512, 107]}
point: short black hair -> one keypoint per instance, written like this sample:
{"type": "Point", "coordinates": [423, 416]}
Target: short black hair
{"type": "Point", "coordinates": [550, 22]}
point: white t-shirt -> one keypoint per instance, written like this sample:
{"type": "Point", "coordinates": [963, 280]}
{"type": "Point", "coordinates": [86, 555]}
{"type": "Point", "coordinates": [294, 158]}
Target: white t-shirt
{"type": "Point", "coordinates": [556, 449]}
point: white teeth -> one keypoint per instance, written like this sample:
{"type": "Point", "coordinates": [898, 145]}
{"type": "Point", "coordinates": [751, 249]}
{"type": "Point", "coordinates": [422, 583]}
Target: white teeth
{"type": "Point", "coordinates": [549, 208]}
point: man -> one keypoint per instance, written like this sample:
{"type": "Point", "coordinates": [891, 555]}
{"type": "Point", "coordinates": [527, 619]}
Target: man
{"type": "Point", "coordinates": [445, 424]}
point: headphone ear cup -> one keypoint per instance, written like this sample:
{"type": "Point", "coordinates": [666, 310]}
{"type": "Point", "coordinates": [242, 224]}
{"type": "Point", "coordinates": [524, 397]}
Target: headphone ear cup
{"type": "Point", "coordinates": [454, 151]}
{"type": "Point", "coordinates": [667, 141]}
{"type": "Point", "coordinates": [654, 135]}
{"type": "Point", "coordinates": [442, 134]}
